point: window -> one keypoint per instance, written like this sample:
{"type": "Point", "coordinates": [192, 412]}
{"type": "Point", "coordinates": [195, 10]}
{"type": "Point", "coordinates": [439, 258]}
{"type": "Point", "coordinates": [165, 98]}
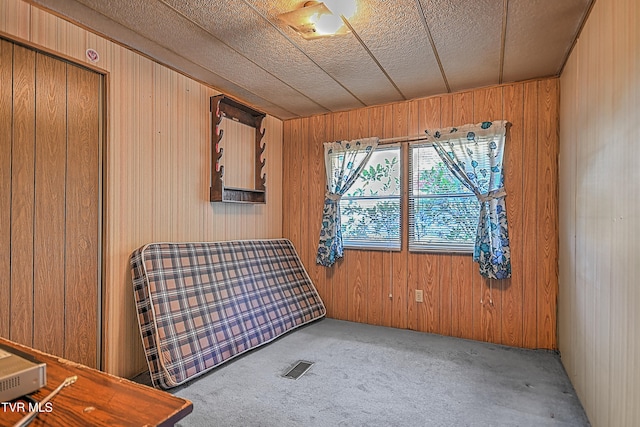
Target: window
{"type": "Point", "coordinates": [443, 213]}
{"type": "Point", "coordinates": [370, 210]}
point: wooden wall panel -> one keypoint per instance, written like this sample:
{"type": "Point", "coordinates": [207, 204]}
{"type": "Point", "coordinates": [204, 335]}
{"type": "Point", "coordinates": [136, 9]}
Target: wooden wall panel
{"type": "Point", "coordinates": [6, 119]}
{"type": "Point", "coordinates": [599, 298]}
{"type": "Point", "coordinates": [287, 198]}
{"type": "Point", "coordinates": [303, 178]}
{"type": "Point", "coordinates": [548, 211]}
{"type": "Point", "coordinates": [379, 287]}
{"type": "Point", "coordinates": [444, 303]}
{"type": "Point", "coordinates": [316, 171]}
{"type": "Point", "coordinates": [23, 195]}
{"type": "Point", "coordinates": [424, 275]}
{"type": "Point", "coordinates": [357, 280]}
{"type": "Point", "coordinates": [291, 200]}
{"type": "Point", "coordinates": [359, 123]}
{"type": "Point", "coordinates": [375, 288]}
{"type": "Point", "coordinates": [462, 275]}
{"type": "Point", "coordinates": [511, 319]}
{"type": "Point", "coordinates": [529, 216]}
{"type": "Point", "coordinates": [49, 265]}
{"type": "Point", "coordinates": [82, 241]}
{"type": "Point", "coordinates": [387, 290]}
{"type": "Point", "coordinates": [156, 167]}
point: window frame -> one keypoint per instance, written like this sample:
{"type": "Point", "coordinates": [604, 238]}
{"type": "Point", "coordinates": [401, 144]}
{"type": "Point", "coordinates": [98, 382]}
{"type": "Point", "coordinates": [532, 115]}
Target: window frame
{"type": "Point", "coordinates": [456, 247]}
{"type": "Point", "coordinates": [406, 200]}
{"type": "Point", "coordinates": [378, 245]}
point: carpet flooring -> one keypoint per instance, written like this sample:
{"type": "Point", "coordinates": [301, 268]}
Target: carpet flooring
{"type": "Point", "coordinates": [367, 375]}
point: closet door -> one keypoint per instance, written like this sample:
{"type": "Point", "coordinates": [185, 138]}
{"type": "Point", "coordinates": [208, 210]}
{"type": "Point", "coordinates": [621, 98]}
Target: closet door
{"type": "Point", "coordinates": [50, 225]}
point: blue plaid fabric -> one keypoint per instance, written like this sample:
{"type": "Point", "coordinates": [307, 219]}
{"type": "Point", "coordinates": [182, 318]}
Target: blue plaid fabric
{"type": "Point", "coordinates": [201, 304]}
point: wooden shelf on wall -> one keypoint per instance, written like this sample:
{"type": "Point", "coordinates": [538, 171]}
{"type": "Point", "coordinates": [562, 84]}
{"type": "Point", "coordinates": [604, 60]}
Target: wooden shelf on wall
{"type": "Point", "coordinates": [238, 195]}
{"type": "Point", "coordinates": [224, 107]}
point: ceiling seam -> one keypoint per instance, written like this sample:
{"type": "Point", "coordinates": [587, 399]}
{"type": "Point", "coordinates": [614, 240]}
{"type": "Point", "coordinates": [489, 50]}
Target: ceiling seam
{"type": "Point", "coordinates": [304, 53]}
{"type": "Point", "coordinates": [576, 37]}
{"type": "Point", "coordinates": [248, 59]}
{"type": "Point", "coordinates": [433, 45]}
{"type": "Point", "coordinates": [503, 38]}
{"type": "Point", "coordinates": [366, 48]}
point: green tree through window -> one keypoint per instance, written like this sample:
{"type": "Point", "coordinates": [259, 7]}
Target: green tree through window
{"type": "Point", "coordinates": [370, 211]}
{"type": "Point", "coordinates": [443, 213]}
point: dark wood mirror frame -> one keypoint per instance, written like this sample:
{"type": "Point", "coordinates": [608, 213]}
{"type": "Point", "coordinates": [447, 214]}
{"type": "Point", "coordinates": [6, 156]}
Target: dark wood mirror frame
{"type": "Point", "coordinates": [225, 107]}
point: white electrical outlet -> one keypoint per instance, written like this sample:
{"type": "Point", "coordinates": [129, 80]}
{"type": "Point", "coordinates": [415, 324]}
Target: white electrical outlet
{"type": "Point", "coordinates": [419, 295]}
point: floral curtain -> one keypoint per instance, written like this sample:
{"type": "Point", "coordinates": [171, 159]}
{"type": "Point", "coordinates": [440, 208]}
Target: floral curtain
{"type": "Point", "coordinates": [344, 160]}
{"type": "Point", "coordinates": [474, 154]}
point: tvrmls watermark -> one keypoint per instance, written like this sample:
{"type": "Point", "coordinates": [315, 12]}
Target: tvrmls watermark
{"type": "Point", "coordinates": [20, 406]}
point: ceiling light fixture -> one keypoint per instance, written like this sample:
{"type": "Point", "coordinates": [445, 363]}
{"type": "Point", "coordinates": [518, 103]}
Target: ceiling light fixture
{"type": "Point", "coordinates": [321, 19]}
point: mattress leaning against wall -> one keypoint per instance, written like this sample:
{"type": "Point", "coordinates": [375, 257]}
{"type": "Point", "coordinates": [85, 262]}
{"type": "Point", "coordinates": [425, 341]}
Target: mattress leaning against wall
{"type": "Point", "coordinates": [202, 304]}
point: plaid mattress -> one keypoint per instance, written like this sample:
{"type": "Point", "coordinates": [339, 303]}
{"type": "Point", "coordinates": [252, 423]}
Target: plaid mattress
{"type": "Point", "coordinates": [201, 304]}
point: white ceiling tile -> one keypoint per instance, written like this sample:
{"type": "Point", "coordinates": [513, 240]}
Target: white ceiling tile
{"type": "Point", "coordinates": [467, 36]}
{"type": "Point", "coordinates": [539, 36]}
{"type": "Point", "coordinates": [394, 32]}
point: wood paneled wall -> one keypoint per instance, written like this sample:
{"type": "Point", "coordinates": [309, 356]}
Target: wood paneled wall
{"type": "Point", "coordinates": [378, 287]}
{"type": "Point", "coordinates": [50, 245]}
{"type": "Point", "coordinates": [599, 300]}
{"type": "Point", "coordinates": [157, 167]}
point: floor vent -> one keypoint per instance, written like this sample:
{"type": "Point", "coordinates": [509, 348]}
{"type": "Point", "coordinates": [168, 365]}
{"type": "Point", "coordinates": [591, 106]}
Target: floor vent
{"type": "Point", "coordinates": [298, 369]}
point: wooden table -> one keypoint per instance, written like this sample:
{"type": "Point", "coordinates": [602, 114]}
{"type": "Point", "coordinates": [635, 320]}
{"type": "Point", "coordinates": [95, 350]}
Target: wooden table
{"type": "Point", "coordinates": [97, 398]}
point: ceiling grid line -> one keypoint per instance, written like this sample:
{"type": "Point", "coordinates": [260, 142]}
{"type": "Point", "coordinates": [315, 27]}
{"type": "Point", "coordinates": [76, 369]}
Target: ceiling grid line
{"type": "Point", "coordinates": [503, 38]}
{"type": "Point", "coordinates": [423, 19]}
{"type": "Point", "coordinates": [583, 21]}
{"type": "Point", "coordinates": [366, 48]}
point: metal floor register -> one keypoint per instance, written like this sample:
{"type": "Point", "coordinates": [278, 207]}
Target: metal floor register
{"type": "Point", "coordinates": [298, 369]}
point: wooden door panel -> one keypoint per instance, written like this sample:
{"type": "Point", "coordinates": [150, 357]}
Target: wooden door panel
{"type": "Point", "coordinates": [50, 176]}
{"type": "Point", "coordinates": [6, 53]}
{"type": "Point", "coordinates": [23, 195]}
{"type": "Point", "coordinates": [82, 239]}
{"type": "Point", "coordinates": [50, 135]}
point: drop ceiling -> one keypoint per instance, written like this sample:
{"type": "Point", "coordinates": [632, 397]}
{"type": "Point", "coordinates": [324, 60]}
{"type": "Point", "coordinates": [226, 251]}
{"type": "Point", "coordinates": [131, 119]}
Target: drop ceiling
{"type": "Point", "coordinates": [398, 49]}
